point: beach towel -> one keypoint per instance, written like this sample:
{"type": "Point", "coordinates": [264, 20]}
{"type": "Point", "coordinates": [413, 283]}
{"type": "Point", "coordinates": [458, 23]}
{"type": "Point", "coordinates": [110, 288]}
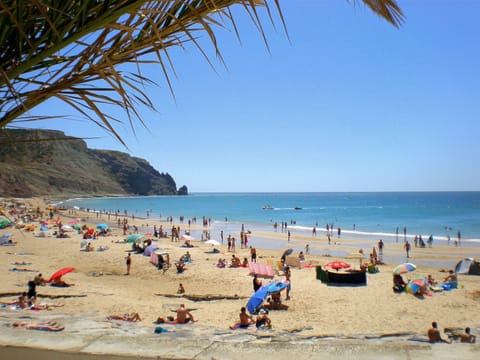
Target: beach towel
{"type": "Point", "coordinates": [160, 330]}
{"type": "Point", "coordinates": [261, 270]}
{"type": "Point", "coordinates": [449, 286]}
{"type": "Point", "coordinates": [236, 326]}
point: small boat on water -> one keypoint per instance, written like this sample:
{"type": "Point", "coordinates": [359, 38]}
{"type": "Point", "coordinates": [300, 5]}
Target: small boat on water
{"type": "Point", "coordinates": [297, 208]}
{"type": "Point", "coordinates": [267, 207]}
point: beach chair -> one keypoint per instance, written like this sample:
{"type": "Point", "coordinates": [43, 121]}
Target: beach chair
{"type": "Point", "coordinates": [280, 268]}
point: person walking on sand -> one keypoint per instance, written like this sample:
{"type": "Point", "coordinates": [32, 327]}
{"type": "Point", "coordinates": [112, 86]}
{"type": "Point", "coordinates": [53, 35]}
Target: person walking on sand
{"type": "Point", "coordinates": [288, 275]}
{"type": "Point", "coordinates": [288, 235]}
{"type": "Point", "coordinates": [380, 247]}
{"type": "Point", "coordinates": [407, 248]}
{"type": "Point", "coordinates": [253, 254]}
{"type": "Point", "coordinates": [128, 263]}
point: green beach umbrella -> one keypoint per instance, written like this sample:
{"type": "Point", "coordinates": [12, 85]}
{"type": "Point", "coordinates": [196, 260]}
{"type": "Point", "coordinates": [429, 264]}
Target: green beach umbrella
{"type": "Point", "coordinates": [133, 238]}
{"type": "Point", "coordinates": [4, 223]}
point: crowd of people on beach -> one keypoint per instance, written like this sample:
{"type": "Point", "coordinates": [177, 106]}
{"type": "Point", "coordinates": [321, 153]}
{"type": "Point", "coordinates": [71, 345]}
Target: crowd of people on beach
{"type": "Point", "coordinates": [259, 318]}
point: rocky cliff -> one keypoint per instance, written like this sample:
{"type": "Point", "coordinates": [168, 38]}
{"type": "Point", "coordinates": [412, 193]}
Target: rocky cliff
{"type": "Point", "coordinates": [47, 162]}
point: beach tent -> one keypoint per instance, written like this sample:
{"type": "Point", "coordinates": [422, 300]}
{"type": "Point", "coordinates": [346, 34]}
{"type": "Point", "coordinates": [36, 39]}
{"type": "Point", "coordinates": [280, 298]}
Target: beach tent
{"type": "Point", "coordinates": [468, 266]}
{"type": "Point", "coordinates": [149, 249]}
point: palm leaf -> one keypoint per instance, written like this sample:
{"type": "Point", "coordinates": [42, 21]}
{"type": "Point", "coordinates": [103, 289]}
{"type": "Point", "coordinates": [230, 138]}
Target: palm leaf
{"type": "Point", "coordinates": [72, 50]}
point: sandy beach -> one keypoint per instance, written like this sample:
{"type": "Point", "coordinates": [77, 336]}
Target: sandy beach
{"type": "Point", "coordinates": [358, 322]}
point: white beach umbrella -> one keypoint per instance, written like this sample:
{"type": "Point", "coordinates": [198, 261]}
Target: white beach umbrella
{"type": "Point", "coordinates": [213, 242]}
{"type": "Point", "coordinates": [67, 228]}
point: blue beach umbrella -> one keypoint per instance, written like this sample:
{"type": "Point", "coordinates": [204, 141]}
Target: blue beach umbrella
{"type": "Point", "coordinates": [275, 287]}
{"type": "Point", "coordinates": [102, 226]}
{"type": "Point", "coordinates": [259, 296]}
{"type": "Point", "coordinates": [257, 299]}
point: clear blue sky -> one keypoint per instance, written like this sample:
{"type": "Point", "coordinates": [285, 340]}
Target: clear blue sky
{"type": "Point", "coordinates": [349, 104]}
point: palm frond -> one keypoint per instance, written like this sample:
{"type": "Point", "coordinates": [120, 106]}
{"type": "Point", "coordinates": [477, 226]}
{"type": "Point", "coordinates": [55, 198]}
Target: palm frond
{"type": "Point", "coordinates": [75, 50]}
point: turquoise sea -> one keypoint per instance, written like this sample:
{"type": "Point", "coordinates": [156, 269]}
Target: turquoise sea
{"type": "Point", "coordinates": [359, 215]}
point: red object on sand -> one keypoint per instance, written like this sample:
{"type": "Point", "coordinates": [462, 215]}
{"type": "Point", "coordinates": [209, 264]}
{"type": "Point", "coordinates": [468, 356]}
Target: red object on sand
{"type": "Point", "coordinates": [337, 265]}
{"type": "Point", "coordinates": [59, 273]}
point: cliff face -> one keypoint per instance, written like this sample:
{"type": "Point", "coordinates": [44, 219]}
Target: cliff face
{"type": "Point", "coordinates": [46, 162]}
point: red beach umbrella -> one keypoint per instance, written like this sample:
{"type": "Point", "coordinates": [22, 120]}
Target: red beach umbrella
{"type": "Point", "coordinates": [59, 273]}
{"type": "Point", "coordinates": [337, 265]}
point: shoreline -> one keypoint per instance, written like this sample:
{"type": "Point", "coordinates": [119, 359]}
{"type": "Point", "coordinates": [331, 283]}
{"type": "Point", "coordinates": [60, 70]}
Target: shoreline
{"type": "Point", "coordinates": [321, 318]}
{"type": "Point", "coordinates": [386, 233]}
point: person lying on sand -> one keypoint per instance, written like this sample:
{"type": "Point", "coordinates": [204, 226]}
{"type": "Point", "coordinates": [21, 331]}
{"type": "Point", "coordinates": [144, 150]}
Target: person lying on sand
{"type": "Point", "coordinates": [133, 317]}
{"type": "Point", "coordinates": [21, 263]}
{"type": "Point", "coordinates": [21, 302]}
{"type": "Point", "coordinates": [41, 306]}
{"type": "Point", "coordinates": [48, 326]}
{"type": "Point", "coordinates": [60, 283]}
{"type": "Point", "coordinates": [15, 269]}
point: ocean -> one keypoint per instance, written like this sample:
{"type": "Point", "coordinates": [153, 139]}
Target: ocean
{"type": "Point", "coordinates": [369, 215]}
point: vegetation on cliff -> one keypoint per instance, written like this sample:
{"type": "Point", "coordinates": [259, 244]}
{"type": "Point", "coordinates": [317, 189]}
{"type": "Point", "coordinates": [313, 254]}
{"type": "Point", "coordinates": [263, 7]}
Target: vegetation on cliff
{"type": "Point", "coordinates": [47, 162]}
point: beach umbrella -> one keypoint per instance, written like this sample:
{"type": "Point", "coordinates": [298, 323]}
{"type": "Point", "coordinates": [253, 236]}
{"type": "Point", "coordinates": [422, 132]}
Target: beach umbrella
{"type": "Point", "coordinates": [276, 286]}
{"type": "Point", "coordinates": [74, 221]}
{"type": "Point", "coordinates": [67, 228]}
{"type": "Point", "coordinates": [256, 300]}
{"type": "Point", "coordinates": [185, 237]}
{"type": "Point", "coordinates": [286, 253]}
{"type": "Point", "coordinates": [133, 238]}
{"type": "Point", "coordinates": [213, 242]}
{"type": "Point", "coordinates": [102, 226]}
{"type": "Point", "coordinates": [4, 223]}
{"type": "Point", "coordinates": [415, 285]}
{"type": "Point", "coordinates": [59, 273]}
{"type": "Point", "coordinates": [337, 265]}
{"type": "Point", "coordinates": [404, 268]}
